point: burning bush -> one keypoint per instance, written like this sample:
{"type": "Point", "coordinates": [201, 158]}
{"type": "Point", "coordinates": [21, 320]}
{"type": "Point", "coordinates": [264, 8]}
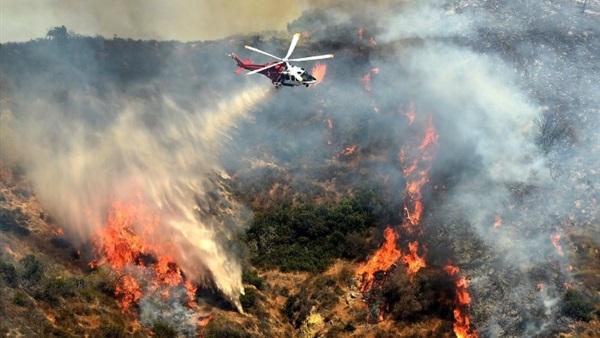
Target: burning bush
{"type": "Point", "coordinates": [429, 293]}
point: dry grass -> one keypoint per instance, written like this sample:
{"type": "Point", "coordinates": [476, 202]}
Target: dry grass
{"type": "Point", "coordinates": [24, 312]}
{"type": "Point", "coordinates": [346, 317]}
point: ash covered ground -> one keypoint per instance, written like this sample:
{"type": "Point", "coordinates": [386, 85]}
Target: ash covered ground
{"type": "Point", "coordinates": [511, 196]}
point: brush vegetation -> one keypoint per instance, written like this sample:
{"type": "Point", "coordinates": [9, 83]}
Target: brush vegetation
{"type": "Point", "coordinates": [309, 237]}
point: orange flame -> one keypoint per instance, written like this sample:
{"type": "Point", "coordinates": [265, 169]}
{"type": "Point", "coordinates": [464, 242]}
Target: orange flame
{"type": "Point", "coordinates": [414, 207]}
{"type": "Point", "coordinates": [319, 71]}
{"type": "Point", "coordinates": [462, 321]}
{"type": "Point", "coordinates": [138, 264]}
{"type": "Point", "coordinates": [329, 123]}
{"type": "Point", "coordinates": [409, 169]}
{"type": "Point", "coordinates": [349, 150]}
{"type": "Point", "coordinates": [431, 137]}
{"type": "Point", "coordinates": [416, 179]}
{"type": "Point", "coordinates": [415, 170]}
{"type": "Point", "coordinates": [462, 294]}
{"type": "Point", "coordinates": [360, 33]}
{"type": "Point", "coordinates": [410, 115]}
{"type": "Point", "coordinates": [128, 290]}
{"type": "Point", "coordinates": [383, 260]}
{"type": "Point", "coordinates": [555, 242]}
{"type": "Point", "coordinates": [451, 270]}
{"type": "Point", "coordinates": [206, 320]}
{"type": "Point", "coordinates": [498, 222]}
{"type": "Point", "coordinates": [366, 80]}
{"type": "Point", "coordinates": [413, 261]}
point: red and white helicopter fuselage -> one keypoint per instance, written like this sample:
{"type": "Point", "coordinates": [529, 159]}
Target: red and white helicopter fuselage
{"type": "Point", "coordinates": [281, 73]}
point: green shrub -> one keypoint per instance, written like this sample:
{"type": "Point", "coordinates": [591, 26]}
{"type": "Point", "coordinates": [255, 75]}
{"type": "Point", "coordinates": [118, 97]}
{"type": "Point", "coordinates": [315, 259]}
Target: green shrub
{"type": "Point", "coordinates": [248, 299]}
{"type": "Point", "coordinates": [577, 305]}
{"type": "Point", "coordinates": [309, 237]}
{"type": "Point", "coordinates": [10, 220]}
{"type": "Point", "coordinates": [297, 308]}
{"type": "Point", "coordinates": [33, 269]}
{"type": "Point", "coordinates": [103, 280]}
{"type": "Point", "coordinates": [220, 328]}
{"type": "Point", "coordinates": [292, 306]}
{"type": "Point", "coordinates": [349, 328]}
{"type": "Point", "coordinates": [111, 330]}
{"type": "Point", "coordinates": [20, 298]}
{"type": "Point", "coordinates": [9, 273]}
{"type": "Point", "coordinates": [54, 288]}
{"type": "Point", "coordinates": [163, 330]}
{"type": "Point", "coordinates": [250, 276]}
{"type": "Point", "coordinates": [224, 332]}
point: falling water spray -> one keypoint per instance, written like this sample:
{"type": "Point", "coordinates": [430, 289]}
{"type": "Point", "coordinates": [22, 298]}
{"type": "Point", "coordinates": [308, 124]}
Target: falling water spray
{"type": "Point", "coordinates": [154, 154]}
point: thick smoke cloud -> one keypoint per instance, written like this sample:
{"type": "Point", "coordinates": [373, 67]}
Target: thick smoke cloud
{"type": "Point", "coordinates": [490, 72]}
{"type": "Point", "coordinates": [183, 20]}
{"type": "Point", "coordinates": [486, 98]}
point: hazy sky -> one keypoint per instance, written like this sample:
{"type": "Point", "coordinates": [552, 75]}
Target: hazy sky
{"type": "Point", "coordinates": [185, 20]}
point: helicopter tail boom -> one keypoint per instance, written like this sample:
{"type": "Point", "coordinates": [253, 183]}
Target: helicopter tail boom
{"type": "Point", "coordinates": [241, 63]}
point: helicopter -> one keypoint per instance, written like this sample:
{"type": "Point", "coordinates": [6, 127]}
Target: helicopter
{"type": "Point", "coordinates": [281, 73]}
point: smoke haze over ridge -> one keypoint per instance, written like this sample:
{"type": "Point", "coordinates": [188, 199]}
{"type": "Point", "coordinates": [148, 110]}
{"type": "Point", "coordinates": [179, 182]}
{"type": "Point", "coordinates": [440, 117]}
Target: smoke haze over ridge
{"type": "Point", "coordinates": [182, 20]}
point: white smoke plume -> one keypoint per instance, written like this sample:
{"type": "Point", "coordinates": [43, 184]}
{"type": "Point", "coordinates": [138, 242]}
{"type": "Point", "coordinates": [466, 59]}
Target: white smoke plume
{"type": "Point", "coordinates": [155, 152]}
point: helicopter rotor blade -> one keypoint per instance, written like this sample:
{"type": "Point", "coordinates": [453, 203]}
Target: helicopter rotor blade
{"type": "Point", "coordinates": [294, 72]}
{"type": "Point", "coordinates": [297, 76]}
{"type": "Point", "coordinates": [264, 68]}
{"type": "Point", "coordinates": [292, 45]}
{"type": "Point", "coordinates": [311, 58]}
{"type": "Point", "coordinates": [262, 52]}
